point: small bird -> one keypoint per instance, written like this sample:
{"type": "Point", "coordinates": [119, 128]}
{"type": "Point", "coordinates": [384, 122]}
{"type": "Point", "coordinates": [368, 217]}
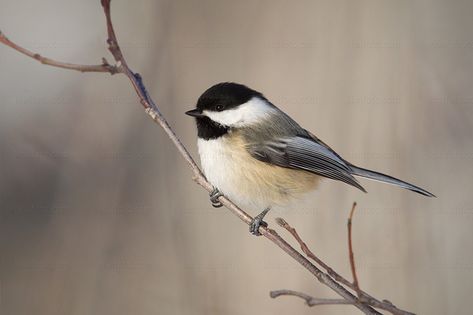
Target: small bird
{"type": "Point", "coordinates": [259, 157]}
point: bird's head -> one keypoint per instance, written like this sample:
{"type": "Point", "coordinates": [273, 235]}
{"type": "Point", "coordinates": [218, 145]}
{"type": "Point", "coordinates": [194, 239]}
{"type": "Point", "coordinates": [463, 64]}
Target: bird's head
{"type": "Point", "coordinates": [231, 105]}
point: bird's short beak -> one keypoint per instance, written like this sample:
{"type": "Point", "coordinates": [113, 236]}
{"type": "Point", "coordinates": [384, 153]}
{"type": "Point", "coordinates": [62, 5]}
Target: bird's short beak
{"type": "Point", "coordinates": [195, 113]}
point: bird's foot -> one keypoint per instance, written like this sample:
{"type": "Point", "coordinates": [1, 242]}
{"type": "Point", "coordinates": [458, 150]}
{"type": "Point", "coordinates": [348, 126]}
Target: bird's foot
{"type": "Point", "coordinates": [257, 222]}
{"type": "Point", "coordinates": [214, 195]}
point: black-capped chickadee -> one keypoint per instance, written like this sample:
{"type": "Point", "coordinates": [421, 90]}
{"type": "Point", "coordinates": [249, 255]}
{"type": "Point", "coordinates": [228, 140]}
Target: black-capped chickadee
{"type": "Point", "coordinates": [259, 157]}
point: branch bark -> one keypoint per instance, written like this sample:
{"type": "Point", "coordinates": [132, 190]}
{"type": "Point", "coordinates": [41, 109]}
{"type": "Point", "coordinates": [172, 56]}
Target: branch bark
{"type": "Point", "coordinates": [309, 300]}
{"type": "Point", "coordinates": [350, 252]}
{"type": "Point", "coordinates": [153, 111]}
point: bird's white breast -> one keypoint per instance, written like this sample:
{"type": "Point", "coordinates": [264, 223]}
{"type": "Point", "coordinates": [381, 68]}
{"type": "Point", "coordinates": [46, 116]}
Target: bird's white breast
{"type": "Point", "coordinates": [247, 181]}
{"type": "Point", "coordinates": [220, 164]}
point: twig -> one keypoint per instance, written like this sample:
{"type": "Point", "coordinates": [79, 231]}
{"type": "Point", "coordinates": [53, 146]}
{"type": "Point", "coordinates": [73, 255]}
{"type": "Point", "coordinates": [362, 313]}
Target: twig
{"type": "Point", "coordinates": [309, 300]}
{"type": "Point", "coordinates": [104, 67]}
{"type": "Point", "coordinates": [365, 297]}
{"type": "Point", "coordinates": [319, 274]}
{"type": "Point", "coordinates": [350, 252]}
{"type": "Point", "coordinates": [153, 111]}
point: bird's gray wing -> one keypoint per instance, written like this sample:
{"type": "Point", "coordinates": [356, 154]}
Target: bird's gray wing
{"type": "Point", "coordinates": [304, 153]}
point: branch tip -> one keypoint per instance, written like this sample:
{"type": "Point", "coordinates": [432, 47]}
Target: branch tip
{"type": "Point", "coordinates": [281, 222]}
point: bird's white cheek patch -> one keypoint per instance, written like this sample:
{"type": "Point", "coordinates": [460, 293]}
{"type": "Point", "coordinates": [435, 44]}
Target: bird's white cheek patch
{"type": "Point", "coordinates": [226, 118]}
{"type": "Point", "coordinates": [246, 114]}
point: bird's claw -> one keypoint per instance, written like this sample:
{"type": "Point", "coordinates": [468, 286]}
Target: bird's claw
{"type": "Point", "coordinates": [257, 222]}
{"type": "Point", "coordinates": [214, 195]}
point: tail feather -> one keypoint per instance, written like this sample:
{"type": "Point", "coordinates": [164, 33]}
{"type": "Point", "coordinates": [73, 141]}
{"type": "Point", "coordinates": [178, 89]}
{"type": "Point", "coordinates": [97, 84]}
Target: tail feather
{"type": "Point", "coordinates": [358, 171]}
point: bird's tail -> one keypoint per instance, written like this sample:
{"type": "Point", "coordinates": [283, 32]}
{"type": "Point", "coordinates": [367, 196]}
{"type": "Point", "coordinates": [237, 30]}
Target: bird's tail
{"type": "Point", "coordinates": [358, 171]}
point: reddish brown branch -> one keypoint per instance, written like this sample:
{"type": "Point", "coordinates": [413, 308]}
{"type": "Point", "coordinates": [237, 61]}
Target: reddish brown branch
{"type": "Point", "coordinates": [350, 252]}
{"type": "Point", "coordinates": [151, 108]}
{"type": "Point", "coordinates": [112, 38]}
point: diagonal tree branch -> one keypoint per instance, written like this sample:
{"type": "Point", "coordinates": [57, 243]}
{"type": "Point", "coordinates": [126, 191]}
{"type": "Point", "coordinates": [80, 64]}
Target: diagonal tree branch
{"type": "Point", "coordinates": [153, 111]}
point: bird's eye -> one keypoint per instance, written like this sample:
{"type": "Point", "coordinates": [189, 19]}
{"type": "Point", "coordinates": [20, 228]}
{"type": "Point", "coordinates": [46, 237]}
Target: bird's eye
{"type": "Point", "coordinates": [219, 108]}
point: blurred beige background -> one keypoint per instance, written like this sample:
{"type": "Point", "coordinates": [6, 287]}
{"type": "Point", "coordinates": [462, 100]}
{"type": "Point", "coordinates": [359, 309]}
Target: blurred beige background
{"type": "Point", "coordinates": [98, 211]}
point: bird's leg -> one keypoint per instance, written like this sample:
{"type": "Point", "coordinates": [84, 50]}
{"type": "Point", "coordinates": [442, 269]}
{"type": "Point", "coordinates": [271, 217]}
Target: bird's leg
{"type": "Point", "coordinates": [214, 195]}
{"type": "Point", "coordinates": [258, 221]}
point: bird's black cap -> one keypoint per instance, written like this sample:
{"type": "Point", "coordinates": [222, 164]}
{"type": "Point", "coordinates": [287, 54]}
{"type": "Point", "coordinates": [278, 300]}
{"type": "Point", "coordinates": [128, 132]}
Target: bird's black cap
{"type": "Point", "coordinates": [225, 95]}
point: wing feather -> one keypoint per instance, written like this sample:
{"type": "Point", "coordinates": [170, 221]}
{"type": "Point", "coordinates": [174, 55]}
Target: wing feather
{"type": "Point", "coordinates": [308, 154]}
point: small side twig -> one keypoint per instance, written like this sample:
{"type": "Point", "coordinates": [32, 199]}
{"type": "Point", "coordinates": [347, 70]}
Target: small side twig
{"type": "Point", "coordinates": [104, 67]}
{"type": "Point", "coordinates": [309, 300]}
{"type": "Point", "coordinates": [350, 252]}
